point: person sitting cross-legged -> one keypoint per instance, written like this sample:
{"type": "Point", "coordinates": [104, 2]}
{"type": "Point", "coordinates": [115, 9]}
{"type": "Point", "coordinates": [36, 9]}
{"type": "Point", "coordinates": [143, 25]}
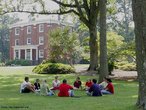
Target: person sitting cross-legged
{"type": "Point", "coordinates": [26, 86]}
{"type": "Point", "coordinates": [94, 89]}
{"type": "Point", "coordinates": [65, 90]}
{"type": "Point", "coordinates": [109, 89]}
{"type": "Point", "coordinates": [44, 89]}
{"type": "Point", "coordinates": [77, 83]}
{"type": "Point", "coordinates": [88, 84]}
{"type": "Point", "coordinates": [55, 84]}
{"type": "Point", "coordinates": [37, 85]}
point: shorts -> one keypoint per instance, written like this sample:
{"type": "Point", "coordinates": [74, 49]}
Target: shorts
{"type": "Point", "coordinates": [25, 90]}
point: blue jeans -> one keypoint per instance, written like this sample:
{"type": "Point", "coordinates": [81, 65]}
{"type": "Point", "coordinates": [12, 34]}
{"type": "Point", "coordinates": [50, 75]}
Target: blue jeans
{"type": "Point", "coordinates": [105, 92]}
{"type": "Point", "coordinates": [71, 93]}
{"type": "Point", "coordinates": [50, 93]}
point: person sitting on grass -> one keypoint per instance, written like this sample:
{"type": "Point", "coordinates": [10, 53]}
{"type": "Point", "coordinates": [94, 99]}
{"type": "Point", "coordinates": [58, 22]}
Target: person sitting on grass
{"type": "Point", "coordinates": [37, 85]}
{"type": "Point", "coordinates": [88, 84]}
{"type": "Point", "coordinates": [94, 89]}
{"type": "Point", "coordinates": [26, 86]}
{"type": "Point", "coordinates": [103, 84]}
{"type": "Point", "coordinates": [65, 90]}
{"type": "Point", "coordinates": [109, 89]}
{"type": "Point", "coordinates": [55, 84]}
{"type": "Point", "coordinates": [44, 90]}
{"type": "Point", "coordinates": [77, 83]}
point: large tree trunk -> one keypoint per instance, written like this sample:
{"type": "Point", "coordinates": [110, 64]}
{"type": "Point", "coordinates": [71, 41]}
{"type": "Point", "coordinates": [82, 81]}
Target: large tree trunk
{"type": "Point", "coordinates": [139, 15]}
{"type": "Point", "coordinates": [93, 48]}
{"type": "Point", "coordinates": [103, 46]}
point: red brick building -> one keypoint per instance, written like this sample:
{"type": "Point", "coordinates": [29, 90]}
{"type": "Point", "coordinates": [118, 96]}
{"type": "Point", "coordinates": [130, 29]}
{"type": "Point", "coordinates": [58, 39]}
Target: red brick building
{"type": "Point", "coordinates": [29, 41]}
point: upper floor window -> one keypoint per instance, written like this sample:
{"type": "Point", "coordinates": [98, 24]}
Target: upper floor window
{"type": "Point", "coordinates": [28, 40]}
{"type": "Point", "coordinates": [29, 30]}
{"type": "Point", "coordinates": [41, 27]}
{"type": "Point", "coordinates": [17, 42]}
{"type": "Point", "coordinates": [41, 40]}
{"type": "Point", "coordinates": [17, 31]}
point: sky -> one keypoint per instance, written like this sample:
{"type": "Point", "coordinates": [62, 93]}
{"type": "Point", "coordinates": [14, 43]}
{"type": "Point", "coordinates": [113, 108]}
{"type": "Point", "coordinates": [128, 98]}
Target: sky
{"type": "Point", "coordinates": [50, 6]}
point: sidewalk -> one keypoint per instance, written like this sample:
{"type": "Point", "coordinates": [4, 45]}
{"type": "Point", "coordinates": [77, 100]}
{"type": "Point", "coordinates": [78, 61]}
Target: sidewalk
{"type": "Point", "coordinates": [116, 73]}
{"type": "Point", "coordinates": [119, 74]}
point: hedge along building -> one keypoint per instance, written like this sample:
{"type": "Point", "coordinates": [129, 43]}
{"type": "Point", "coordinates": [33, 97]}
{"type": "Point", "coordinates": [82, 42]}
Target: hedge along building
{"type": "Point", "coordinates": [30, 40]}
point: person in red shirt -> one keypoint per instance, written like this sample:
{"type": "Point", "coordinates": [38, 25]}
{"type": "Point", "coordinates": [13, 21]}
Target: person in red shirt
{"type": "Point", "coordinates": [109, 88]}
{"type": "Point", "coordinates": [65, 90]}
{"type": "Point", "coordinates": [88, 84]}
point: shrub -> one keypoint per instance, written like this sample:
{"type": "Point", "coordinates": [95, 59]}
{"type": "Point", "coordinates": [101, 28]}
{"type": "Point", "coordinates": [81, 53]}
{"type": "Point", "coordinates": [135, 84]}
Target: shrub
{"type": "Point", "coordinates": [53, 68]}
{"type": "Point", "coordinates": [84, 61]}
{"type": "Point", "coordinates": [18, 62]}
{"type": "Point", "coordinates": [126, 66]}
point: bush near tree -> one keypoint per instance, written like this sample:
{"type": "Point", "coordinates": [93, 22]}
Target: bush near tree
{"type": "Point", "coordinates": [53, 68]}
{"type": "Point", "coordinates": [18, 62]}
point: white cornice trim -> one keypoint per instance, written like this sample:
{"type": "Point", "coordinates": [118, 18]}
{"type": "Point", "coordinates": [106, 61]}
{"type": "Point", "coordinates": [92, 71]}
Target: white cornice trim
{"type": "Point", "coordinates": [49, 21]}
{"type": "Point", "coordinates": [25, 47]}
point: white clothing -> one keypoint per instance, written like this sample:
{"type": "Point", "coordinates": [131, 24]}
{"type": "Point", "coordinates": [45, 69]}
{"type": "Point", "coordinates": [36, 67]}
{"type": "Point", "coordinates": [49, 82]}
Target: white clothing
{"type": "Point", "coordinates": [56, 83]}
{"type": "Point", "coordinates": [24, 84]}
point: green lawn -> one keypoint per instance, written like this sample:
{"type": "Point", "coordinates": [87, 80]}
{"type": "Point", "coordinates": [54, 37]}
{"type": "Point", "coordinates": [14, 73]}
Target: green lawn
{"type": "Point", "coordinates": [10, 99]}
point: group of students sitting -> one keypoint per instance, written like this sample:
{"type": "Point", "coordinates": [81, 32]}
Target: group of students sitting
{"type": "Point", "coordinates": [66, 90]}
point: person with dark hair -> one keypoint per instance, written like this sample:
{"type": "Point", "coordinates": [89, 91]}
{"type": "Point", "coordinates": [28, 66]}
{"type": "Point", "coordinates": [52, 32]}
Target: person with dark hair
{"type": "Point", "coordinates": [78, 83]}
{"type": "Point", "coordinates": [26, 86]}
{"type": "Point", "coordinates": [109, 89]}
{"type": "Point", "coordinates": [55, 84]}
{"type": "Point", "coordinates": [88, 84]}
{"type": "Point", "coordinates": [37, 85]}
{"type": "Point", "coordinates": [94, 89]}
{"type": "Point", "coordinates": [65, 90]}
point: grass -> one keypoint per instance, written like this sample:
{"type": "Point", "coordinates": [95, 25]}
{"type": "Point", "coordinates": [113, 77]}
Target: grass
{"type": "Point", "coordinates": [10, 99]}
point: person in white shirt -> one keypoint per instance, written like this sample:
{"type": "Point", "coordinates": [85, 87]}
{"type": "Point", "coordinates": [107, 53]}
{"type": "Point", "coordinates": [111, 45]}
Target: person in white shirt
{"type": "Point", "coordinates": [55, 84]}
{"type": "Point", "coordinates": [26, 86]}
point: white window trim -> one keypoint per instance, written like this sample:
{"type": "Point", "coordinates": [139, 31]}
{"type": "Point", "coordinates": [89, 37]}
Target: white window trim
{"type": "Point", "coordinates": [41, 25]}
{"type": "Point", "coordinates": [28, 29]}
{"type": "Point", "coordinates": [16, 42]}
{"type": "Point", "coordinates": [40, 56]}
{"type": "Point", "coordinates": [28, 53]}
{"type": "Point", "coordinates": [16, 31]}
{"type": "Point", "coordinates": [41, 38]}
{"type": "Point", "coordinates": [28, 40]}
{"type": "Point", "coordinates": [15, 54]}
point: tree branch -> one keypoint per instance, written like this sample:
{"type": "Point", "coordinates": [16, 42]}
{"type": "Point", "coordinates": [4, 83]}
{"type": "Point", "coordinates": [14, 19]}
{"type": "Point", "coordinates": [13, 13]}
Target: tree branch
{"type": "Point", "coordinates": [45, 13]}
{"type": "Point", "coordinates": [64, 5]}
{"type": "Point", "coordinates": [81, 15]}
{"type": "Point", "coordinates": [86, 7]}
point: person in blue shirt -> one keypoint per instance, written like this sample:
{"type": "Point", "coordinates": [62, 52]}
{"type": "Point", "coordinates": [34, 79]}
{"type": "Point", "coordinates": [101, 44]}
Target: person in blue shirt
{"type": "Point", "coordinates": [94, 89]}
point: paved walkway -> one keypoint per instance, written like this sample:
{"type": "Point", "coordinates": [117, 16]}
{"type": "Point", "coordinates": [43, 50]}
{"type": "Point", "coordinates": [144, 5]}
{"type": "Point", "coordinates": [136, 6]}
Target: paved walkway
{"type": "Point", "coordinates": [120, 73]}
{"type": "Point", "coordinates": [116, 73]}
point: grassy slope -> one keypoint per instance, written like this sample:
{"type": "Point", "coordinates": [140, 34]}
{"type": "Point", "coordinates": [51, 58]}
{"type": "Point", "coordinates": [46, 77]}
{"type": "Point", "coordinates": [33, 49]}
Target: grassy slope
{"type": "Point", "coordinates": [10, 78]}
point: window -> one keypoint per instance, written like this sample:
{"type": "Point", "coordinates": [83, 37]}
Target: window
{"type": "Point", "coordinates": [41, 27]}
{"type": "Point", "coordinates": [28, 54]}
{"type": "Point", "coordinates": [28, 29]}
{"type": "Point", "coordinates": [16, 41]}
{"type": "Point", "coordinates": [41, 53]}
{"type": "Point", "coordinates": [41, 40]}
{"type": "Point", "coordinates": [17, 31]}
{"type": "Point", "coordinates": [16, 54]}
{"type": "Point", "coordinates": [28, 40]}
